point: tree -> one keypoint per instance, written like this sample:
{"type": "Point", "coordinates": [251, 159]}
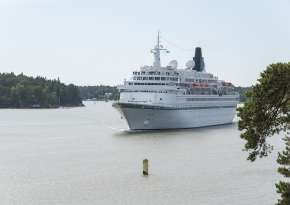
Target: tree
{"type": "Point", "coordinates": [99, 92]}
{"type": "Point", "coordinates": [283, 188]}
{"type": "Point", "coordinates": [19, 91]}
{"type": "Point", "coordinates": [266, 113]}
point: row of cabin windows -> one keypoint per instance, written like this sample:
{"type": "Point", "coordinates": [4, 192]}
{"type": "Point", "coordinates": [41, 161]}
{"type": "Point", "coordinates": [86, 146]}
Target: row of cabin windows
{"type": "Point", "coordinates": [210, 91]}
{"type": "Point", "coordinates": [200, 80]}
{"type": "Point", "coordinates": [189, 85]}
{"type": "Point", "coordinates": [146, 91]}
{"type": "Point", "coordinates": [154, 73]}
{"type": "Point", "coordinates": [211, 99]}
{"type": "Point", "coordinates": [177, 84]}
{"type": "Point", "coordinates": [155, 78]}
{"type": "Point", "coordinates": [148, 84]}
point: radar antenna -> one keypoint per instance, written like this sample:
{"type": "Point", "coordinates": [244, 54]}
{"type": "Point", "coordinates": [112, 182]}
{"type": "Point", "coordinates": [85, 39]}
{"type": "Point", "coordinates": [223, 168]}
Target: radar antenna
{"type": "Point", "coordinates": [156, 52]}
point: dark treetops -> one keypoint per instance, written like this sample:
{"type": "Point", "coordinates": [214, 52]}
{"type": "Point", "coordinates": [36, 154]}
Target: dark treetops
{"type": "Point", "coordinates": [20, 91]}
{"type": "Point", "coordinates": [99, 92]}
{"type": "Point", "coordinates": [266, 113]}
{"type": "Point", "coordinates": [267, 110]}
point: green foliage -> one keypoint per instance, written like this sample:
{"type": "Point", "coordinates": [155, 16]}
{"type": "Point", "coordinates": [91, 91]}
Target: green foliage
{"type": "Point", "coordinates": [283, 188]}
{"type": "Point", "coordinates": [284, 159]}
{"type": "Point", "coordinates": [20, 91]}
{"type": "Point", "coordinates": [243, 92]}
{"type": "Point", "coordinates": [265, 113]}
{"type": "Point", "coordinates": [99, 92]}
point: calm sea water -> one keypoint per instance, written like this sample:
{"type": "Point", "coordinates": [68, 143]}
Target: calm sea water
{"type": "Point", "coordinates": [86, 156]}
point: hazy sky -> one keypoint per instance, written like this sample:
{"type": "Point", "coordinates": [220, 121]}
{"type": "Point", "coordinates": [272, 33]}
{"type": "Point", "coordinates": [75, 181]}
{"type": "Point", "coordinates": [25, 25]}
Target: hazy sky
{"type": "Point", "coordinates": [102, 42]}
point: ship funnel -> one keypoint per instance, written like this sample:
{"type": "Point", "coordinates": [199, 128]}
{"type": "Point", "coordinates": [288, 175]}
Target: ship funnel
{"type": "Point", "coordinates": [198, 60]}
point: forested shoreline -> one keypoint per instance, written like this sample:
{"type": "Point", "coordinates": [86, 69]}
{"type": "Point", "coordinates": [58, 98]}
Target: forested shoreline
{"type": "Point", "coordinates": [21, 91]}
{"type": "Point", "coordinates": [99, 92]}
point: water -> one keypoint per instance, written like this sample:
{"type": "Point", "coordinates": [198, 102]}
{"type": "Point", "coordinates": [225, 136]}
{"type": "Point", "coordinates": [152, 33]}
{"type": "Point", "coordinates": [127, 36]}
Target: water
{"type": "Point", "coordinates": [86, 156]}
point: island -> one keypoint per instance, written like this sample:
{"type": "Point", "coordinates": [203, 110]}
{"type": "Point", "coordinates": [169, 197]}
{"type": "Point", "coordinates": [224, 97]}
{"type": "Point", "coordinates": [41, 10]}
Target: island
{"type": "Point", "coordinates": [21, 91]}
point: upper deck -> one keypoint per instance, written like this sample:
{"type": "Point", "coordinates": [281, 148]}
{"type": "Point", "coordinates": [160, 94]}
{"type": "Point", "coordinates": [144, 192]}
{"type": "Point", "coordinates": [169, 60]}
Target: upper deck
{"type": "Point", "coordinates": [183, 81]}
{"type": "Point", "coordinates": [193, 80]}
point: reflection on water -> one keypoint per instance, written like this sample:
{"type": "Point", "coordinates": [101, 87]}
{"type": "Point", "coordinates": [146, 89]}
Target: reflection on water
{"type": "Point", "coordinates": [87, 156]}
{"type": "Point", "coordinates": [175, 132]}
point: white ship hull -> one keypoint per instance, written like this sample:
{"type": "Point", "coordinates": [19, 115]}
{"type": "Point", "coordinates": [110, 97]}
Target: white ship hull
{"type": "Point", "coordinates": [152, 117]}
{"type": "Point", "coordinates": [165, 97]}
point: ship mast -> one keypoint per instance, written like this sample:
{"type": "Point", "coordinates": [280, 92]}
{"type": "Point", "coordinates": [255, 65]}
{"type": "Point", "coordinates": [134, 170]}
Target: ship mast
{"type": "Point", "coordinates": [156, 52]}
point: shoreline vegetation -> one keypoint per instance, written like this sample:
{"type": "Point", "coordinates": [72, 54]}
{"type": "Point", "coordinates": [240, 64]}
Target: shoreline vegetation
{"type": "Point", "coordinates": [21, 91]}
{"type": "Point", "coordinates": [99, 93]}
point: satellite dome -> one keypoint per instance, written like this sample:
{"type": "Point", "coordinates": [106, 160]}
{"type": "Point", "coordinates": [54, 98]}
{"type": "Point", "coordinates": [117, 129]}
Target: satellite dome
{"type": "Point", "coordinates": [190, 64]}
{"type": "Point", "coordinates": [173, 64]}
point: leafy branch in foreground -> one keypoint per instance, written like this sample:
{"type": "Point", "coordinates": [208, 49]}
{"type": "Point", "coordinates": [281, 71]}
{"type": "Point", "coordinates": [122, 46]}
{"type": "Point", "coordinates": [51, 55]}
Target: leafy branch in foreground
{"type": "Point", "coordinates": [283, 188]}
{"type": "Point", "coordinates": [266, 113]}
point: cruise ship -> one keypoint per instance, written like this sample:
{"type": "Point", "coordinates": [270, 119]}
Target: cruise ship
{"type": "Point", "coordinates": [166, 97]}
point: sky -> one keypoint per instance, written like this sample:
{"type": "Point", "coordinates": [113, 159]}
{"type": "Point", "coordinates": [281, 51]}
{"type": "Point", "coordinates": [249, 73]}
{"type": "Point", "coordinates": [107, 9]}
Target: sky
{"type": "Point", "coordinates": [93, 42]}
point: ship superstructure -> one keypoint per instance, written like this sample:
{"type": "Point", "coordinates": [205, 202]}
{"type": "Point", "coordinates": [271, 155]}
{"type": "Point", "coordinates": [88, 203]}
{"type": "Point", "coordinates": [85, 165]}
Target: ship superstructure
{"type": "Point", "coordinates": [165, 97]}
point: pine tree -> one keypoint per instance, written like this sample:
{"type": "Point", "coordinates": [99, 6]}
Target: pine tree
{"type": "Point", "coordinates": [283, 188]}
{"type": "Point", "coordinates": [265, 114]}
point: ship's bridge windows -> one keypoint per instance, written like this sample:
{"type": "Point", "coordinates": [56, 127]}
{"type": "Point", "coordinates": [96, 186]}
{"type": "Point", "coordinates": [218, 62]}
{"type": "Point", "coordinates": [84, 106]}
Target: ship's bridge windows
{"type": "Point", "coordinates": [157, 78]}
{"type": "Point", "coordinates": [151, 78]}
{"type": "Point", "coordinates": [174, 79]}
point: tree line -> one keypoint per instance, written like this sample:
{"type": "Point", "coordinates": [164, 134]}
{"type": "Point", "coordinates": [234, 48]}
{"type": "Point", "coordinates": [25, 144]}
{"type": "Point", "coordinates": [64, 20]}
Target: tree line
{"type": "Point", "coordinates": [243, 92]}
{"type": "Point", "coordinates": [99, 92]}
{"type": "Point", "coordinates": [21, 91]}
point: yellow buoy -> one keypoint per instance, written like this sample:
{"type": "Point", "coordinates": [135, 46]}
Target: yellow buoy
{"type": "Point", "coordinates": [145, 167]}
